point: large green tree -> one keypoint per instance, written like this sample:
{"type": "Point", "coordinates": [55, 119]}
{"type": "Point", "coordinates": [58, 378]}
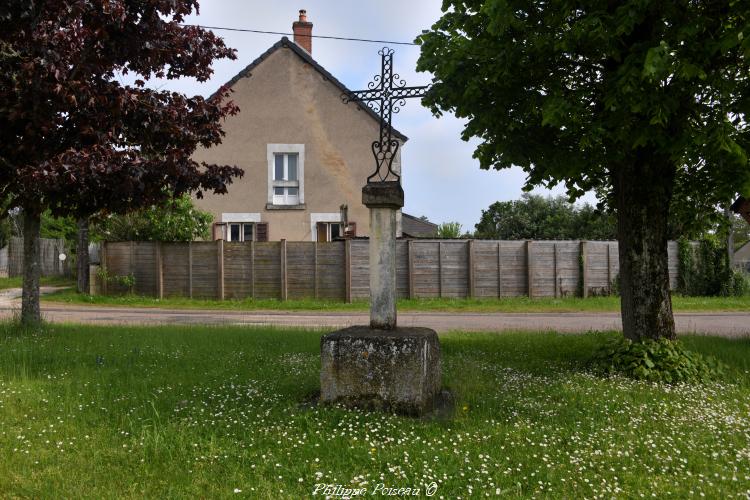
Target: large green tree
{"type": "Point", "coordinates": [535, 217]}
{"type": "Point", "coordinates": [638, 98]}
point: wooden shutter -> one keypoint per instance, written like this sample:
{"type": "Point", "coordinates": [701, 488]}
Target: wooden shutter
{"type": "Point", "coordinates": [261, 231]}
{"type": "Point", "coordinates": [350, 231]}
{"type": "Point", "coordinates": [322, 232]}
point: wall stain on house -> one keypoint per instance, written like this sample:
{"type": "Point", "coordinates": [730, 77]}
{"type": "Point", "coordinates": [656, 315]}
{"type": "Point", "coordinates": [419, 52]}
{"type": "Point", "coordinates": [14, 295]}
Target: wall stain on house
{"type": "Point", "coordinates": [330, 157]}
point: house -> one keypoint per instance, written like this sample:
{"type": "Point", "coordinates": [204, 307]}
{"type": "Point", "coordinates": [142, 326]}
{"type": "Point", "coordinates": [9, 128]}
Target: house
{"type": "Point", "coordinates": [417, 227]}
{"type": "Point", "coordinates": [741, 257]}
{"type": "Point", "coordinates": [306, 154]}
{"type": "Point", "coordinates": [742, 207]}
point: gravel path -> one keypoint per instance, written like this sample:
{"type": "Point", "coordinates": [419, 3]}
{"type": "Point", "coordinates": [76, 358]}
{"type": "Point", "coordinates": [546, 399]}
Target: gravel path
{"type": "Point", "coordinates": [724, 324]}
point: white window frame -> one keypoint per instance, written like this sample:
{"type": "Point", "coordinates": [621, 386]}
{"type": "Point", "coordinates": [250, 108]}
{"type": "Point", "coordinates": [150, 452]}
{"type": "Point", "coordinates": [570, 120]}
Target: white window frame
{"type": "Point", "coordinates": [239, 218]}
{"type": "Point", "coordinates": [330, 217]}
{"type": "Point", "coordinates": [242, 230]}
{"type": "Point", "coordinates": [329, 226]}
{"type": "Point", "coordinates": [271, 151]}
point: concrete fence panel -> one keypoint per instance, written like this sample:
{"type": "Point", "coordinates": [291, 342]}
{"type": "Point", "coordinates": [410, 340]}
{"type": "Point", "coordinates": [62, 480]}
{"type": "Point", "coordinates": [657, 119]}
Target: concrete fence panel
{"type": "Point", "coordinates": [340, 270]}
{"type": "Point", "coordinates": [11, 258]}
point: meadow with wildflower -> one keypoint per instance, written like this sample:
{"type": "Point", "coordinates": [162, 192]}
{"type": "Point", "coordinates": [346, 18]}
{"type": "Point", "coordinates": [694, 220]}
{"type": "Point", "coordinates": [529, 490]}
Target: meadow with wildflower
{"type": "Point", "coordinates": [226, 412]}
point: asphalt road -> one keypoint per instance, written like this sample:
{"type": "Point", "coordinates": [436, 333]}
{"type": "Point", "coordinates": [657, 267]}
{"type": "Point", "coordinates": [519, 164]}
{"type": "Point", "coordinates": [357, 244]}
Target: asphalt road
{"type": "Point", "coordinates": [725, 324]}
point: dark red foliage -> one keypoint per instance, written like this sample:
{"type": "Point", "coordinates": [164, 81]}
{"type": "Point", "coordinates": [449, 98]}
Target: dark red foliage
{"type": "Point", "coordinates": [76, 140]}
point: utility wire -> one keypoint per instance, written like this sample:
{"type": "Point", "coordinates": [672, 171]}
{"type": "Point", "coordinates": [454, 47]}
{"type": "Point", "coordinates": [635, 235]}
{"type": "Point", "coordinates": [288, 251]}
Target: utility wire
{"type": "Point", "coordinates": [292, 34]}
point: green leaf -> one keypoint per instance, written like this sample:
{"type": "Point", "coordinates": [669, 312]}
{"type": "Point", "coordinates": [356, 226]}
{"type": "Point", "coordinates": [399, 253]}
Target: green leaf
{"type": "Point", "coordinates": [656, 64]}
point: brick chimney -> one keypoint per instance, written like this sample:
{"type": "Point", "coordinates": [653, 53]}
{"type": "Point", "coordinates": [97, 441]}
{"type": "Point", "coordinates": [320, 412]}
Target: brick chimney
{"type": "Point", "coordinates": [303, 32]}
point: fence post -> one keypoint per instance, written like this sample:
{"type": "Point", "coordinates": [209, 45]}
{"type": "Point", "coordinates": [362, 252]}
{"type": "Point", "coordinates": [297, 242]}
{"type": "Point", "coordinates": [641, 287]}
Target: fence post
{"type": "Point", "coordinates": [609, 271]}
{"type": "Point", "coordinates": [499, 270]}
{"type": "Point", "coordinates": [530, 268]}
{"type": "Point", "coordinates": [440, 269]}
{"type": "Point", "coordinates": [132, 265]}
{"type": "Point", "coordinates": [190, 269]}
{"type": "Point", "coordinates": [103, 266]}
{"type": "Point", "coordinates": [315, 269]}
{"type": "Point", "coordinates": [159, 271]}
{"type": "Point", "coordinates": [220, 267]}
{"type": "Point", "coordinates": [10, 257]}
{"type": "Point", "coordinates": [348, 263]}
{"type": "Point", "coordinates": [283, 270]}
{"type": "Point", "coordinates": [554, 266]}
{"type": "Point", "coordinates": [470, 263]}
{"type": "Point", "coordinates": [252, 269]}
{"type": "Point", "coordinates": [584, 270]}
{"type": "Point", "coordinates": [410, 250]}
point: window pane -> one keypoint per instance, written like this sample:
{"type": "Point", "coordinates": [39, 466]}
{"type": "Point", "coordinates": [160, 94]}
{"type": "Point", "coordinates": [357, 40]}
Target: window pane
{"type": "Point", "coordinates": [293, 191]}
{"type": "Point", "coordinates": [234, 232]}
{"type": "Point", "coordinates": [278, 172]}
{"type": "Point", "coordinates": [278, 191]}
{"type": "Point", "coordinates": [292, 160]}
{"type": "Point", "coordinates": [248, 232]}
{"type": "Point", "coordinates": [335, 231]}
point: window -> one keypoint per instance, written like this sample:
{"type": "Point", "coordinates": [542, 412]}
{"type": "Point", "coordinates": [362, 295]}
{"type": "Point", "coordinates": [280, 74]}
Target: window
{"type": "Point", "coordinates": [329, 231]}
{"type": "Point", "coordinates": [242, 231]}
{"type": "Point", "coordinates": [286, 176]}
{"type": "Point", "coordinates": [285, 179]}
{"type": "Point", "coordinates": [241, 226]}
{"type": "Point", "coordinates": [239, 231]}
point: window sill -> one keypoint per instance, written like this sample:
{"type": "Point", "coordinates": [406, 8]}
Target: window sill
{"type": "Point", "coordinates": [271, 206]}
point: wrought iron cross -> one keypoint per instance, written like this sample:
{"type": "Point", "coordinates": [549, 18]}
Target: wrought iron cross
{"type": "Point", "coordinates": [385, 95]}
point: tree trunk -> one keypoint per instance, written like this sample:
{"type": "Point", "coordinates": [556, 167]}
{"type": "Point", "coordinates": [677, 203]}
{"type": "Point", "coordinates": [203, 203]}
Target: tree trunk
{"type": "Point", "coordinates": [643, 192]}
{"type": "Point", "coordinates": [82, 256]}
{"type": "Point", "coordinates": [730, 235]}
{"type": "Point", "coordinates": [32, 270]}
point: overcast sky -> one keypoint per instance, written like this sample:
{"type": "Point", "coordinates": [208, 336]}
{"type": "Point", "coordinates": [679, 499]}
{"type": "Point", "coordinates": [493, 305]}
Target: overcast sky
{"type": "Point", "coordinates": [441, 179]}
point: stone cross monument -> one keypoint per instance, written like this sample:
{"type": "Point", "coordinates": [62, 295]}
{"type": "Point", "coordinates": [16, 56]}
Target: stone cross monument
{"type": "Point", "coordinates": [382, 366]}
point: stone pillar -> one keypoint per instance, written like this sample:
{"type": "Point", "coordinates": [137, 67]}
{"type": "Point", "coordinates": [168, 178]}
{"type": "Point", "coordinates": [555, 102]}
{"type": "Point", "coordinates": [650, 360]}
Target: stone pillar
{"type": "Point", "coordinates": [382, 366]}
{"type": "Point", "coordinates": [384, 199]}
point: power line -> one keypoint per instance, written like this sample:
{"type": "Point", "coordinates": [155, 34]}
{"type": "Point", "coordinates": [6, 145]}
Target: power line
{"type": "Point", "coordinates": [292, 34]}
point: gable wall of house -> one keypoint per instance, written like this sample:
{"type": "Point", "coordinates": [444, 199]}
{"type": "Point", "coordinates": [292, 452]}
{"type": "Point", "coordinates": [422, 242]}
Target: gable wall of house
{"type": "Point", "coordinates": [286, 101]}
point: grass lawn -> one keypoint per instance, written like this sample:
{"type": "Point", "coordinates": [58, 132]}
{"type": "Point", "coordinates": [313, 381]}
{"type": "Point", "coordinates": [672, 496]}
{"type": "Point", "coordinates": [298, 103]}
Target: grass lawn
{"type": "Point", "coordinates": [15, 282]}
{"type": "Point", "coordinates": [509, 304]}
{"type": "Point", "coordinates": [180, 412]}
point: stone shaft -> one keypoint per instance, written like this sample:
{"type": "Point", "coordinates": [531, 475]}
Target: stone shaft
{"type": "Point", "coordinates": [383, 199]}
{"type": "Point", "coordinates": [383, 268]}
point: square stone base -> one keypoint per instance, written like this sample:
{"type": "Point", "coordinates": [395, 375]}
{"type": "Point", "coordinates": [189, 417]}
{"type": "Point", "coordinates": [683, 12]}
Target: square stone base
{"type": "Point", "coordinates": [392, 370]}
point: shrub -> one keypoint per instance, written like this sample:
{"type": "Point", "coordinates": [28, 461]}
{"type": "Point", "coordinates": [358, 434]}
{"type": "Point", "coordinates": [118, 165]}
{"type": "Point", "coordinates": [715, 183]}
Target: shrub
{"type": "Point", "coordinates": [704, 271]}
{"type": "Point", "coordinates": [738, 285]}
{"type": "Point", "coordinates": [177, 219]}
{"type": "Point", "coordinates": [126, 281]}
{"type": "Point", "coordinates": [656, 361]}
{"type": "Point", "coordinates": [449, 230]}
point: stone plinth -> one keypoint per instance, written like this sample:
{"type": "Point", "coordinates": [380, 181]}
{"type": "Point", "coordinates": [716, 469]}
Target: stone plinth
{"type": "Point", "coordinates": [393, 370]}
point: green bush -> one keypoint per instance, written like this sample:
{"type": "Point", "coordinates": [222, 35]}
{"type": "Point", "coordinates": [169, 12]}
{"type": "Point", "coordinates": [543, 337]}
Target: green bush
{"type": "Point", "coordinates": [656, 361]}
{"type": "Point", "coordinates": [177, 219]}
{"type": "Point", "coordinates": [449, 230]}
{"type": "Point", "coordinates": [738, 285]}
{"type": "Point", "coordinates": [127, 281]}
{"type": "Point", "coordinates": [704, 271]}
